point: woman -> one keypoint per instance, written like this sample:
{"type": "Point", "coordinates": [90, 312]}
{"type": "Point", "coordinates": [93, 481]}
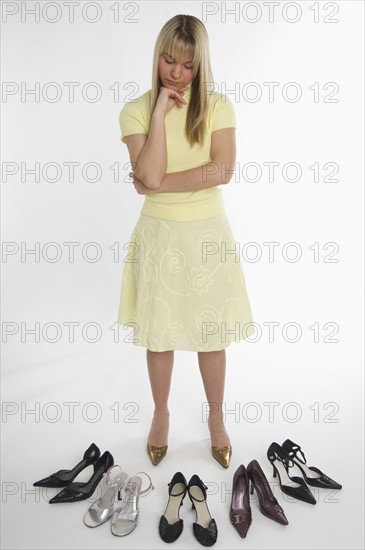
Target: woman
{"type": "Point", "coordinates": [183, 285]}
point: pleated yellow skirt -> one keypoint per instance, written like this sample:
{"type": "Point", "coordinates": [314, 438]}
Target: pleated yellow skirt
{"type": "Point", "coordinates": [183, 286]}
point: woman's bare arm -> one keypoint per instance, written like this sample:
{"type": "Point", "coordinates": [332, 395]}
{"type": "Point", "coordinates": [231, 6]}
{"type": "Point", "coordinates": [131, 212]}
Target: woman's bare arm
{"type": "Point", "coordinates": [218, 171]}
{"type": "Point", "coordinates": [148, 154]}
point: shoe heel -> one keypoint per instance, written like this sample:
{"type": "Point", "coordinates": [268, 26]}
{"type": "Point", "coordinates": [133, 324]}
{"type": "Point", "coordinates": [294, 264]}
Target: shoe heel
{"type": "Point", "coordinates": [177, 491]}
{"type": "Point", "coordinates": [62, 478]}
{"type": "Point", "coordinates": [240, 510]}
{"type": "Point", "coordinates": [205, 528]}
{"type": "Point", "coordinates": [268, 504]}
{"type": "Point", "coordinates": [284, 461]}
{"type": "Point", "coordinates": [101, 510]}
{"type": "Point", "coordinates": [120, 494]}
{"type": "Point", "coordinates": [82, 490]}
{"type": "Point", "coordinates": [319, 479]}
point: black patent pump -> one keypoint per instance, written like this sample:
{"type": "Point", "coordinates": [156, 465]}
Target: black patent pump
{"type": "Point", "coordinates": [64, 477]}
{"type": "Point", "coordinates": [293, 486]}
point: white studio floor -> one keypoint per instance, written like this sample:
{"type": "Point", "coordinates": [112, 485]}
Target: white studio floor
{"type": "Point", "coordinates": [110, 393]}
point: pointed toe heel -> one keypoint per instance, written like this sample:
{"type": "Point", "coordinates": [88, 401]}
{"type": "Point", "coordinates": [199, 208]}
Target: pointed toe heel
{"type": "Point", "coordinates": [290, 485]}
{"type": "Point", "coordinates": [156, 454]}
{"type": "Point", "coordinates": [240, 511]}
{"type": "Point", "coordinates": [82, 490]}
{"type": "Point", "coordinates": [268, 504]}
{"type": "Point", "coordinates": [63, 477]}
{"type": "Point", "coordinates": [312, 475]}
{"type": "Point", "coordinates": [222, 455]}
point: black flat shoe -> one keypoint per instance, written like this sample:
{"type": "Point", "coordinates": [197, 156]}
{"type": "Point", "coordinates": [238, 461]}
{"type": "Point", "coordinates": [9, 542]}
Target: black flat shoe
{"type": "Point", "coordinates": [312, 475]}
{"type": "Point", "coordinates": [171, 526]}
{"type": "Point", "coordinates": [63, 477]}
{"type": "Point", "coordinates": [205, 528]}
{"type": "Point", "coordinates": [82, 490]}
{"type": "Point", "coordinates": [292, 486]}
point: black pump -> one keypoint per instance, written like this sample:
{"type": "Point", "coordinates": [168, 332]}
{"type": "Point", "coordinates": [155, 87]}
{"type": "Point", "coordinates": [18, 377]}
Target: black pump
{"type": "Point", "coordinates": [82, 490]}
{"type": "Point", "coordinates": [281, 462]}
{"type": "Point", "coordinates": [312, 475]}
{"type": "Point", "coordinates": [64, 477]}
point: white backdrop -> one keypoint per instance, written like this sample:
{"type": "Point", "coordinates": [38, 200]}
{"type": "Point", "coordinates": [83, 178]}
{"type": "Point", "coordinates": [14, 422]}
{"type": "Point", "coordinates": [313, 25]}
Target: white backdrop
{"type": "Point", "coordinates": [70, 375]}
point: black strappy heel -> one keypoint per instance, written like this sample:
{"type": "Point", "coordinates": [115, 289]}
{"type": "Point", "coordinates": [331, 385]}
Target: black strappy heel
{"type": "Point", "coordinates": [63, 477]}
{"type": "Point", "coordinates": [292, 486]}
{"type": "Point", "coordinates": [312, 475]}
{"type": "Point", "coordinates": [171, 526]}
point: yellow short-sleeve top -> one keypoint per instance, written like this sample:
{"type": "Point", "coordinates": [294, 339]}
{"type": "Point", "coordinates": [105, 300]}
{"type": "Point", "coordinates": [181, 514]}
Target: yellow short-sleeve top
{"type": "Point", "coordinates": [135, 118]}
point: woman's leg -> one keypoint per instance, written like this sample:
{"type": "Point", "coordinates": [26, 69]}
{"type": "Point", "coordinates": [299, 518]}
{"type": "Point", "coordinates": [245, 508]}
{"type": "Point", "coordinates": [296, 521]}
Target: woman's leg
{"type": "Point", "coordinates": [160, 366]}
{"type": "Point", "coordinates": [212, 366]}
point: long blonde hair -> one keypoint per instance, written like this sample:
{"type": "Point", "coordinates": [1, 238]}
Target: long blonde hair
{"type": "Point", "coordinates": [186, 35]}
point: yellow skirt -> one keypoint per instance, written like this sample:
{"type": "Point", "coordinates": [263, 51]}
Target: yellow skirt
{"type": "Point", "coordinates": [183, 286]}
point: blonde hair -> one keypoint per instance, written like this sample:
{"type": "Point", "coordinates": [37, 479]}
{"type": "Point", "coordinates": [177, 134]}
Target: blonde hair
{"type": "Point", "coordinates": [186, 35]}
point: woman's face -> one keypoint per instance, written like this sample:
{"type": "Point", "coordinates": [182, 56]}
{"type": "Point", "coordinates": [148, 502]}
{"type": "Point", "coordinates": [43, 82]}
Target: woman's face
{"type": "Point", "coordinates": [175, 73]}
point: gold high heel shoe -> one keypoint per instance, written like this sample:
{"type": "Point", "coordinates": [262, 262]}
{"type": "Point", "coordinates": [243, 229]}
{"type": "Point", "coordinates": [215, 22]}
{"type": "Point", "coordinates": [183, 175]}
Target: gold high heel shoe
{"type": "Point", "coordinates": [156, 454]}
{"type": "Point", "coordinates": [223, 455]}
